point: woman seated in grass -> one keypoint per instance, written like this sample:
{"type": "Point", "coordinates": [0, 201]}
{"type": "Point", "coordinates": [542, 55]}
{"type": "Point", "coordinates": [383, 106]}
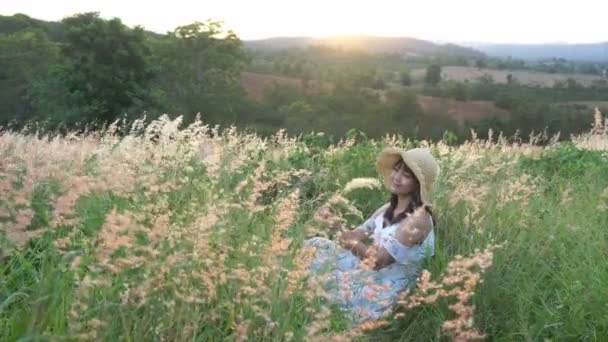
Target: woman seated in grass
{"type": "Point", "coordinates": [382, 257]}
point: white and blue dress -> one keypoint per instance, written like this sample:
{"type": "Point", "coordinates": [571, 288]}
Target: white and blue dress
{"type": "Point", "coordinates": [365, 293]}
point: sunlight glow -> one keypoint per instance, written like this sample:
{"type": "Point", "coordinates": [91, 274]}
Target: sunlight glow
{"type": "Point", "coordinates": [439, 20]}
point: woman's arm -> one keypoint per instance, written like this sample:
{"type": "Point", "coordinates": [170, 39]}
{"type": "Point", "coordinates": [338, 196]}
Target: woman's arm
{"type": "Point", "coordinates": [351, 238]}
{"type": "Point", "coordinates": [361, 233]}
{"type": "Point", "coordinates": [373, 256]}
{"type": "Point", "coordinates": [413, 231]}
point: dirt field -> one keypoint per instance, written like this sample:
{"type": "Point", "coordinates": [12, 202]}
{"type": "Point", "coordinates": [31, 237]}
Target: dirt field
{"type": "Point", "coordinates": [460, 111]}
{"type": "Point", "coordinates": [461, 74]}
{"type": "Point", "coordinates": [255, 85]}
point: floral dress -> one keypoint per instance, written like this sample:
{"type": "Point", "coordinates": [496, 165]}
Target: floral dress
{"type": "Point", "coordinates": [369, 294]}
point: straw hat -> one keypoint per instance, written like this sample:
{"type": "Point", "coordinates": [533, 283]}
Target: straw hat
{"type": "Point", "coordinates": [419, 160]}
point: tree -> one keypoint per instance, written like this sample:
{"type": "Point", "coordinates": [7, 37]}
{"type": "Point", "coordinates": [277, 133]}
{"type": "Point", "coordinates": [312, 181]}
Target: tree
{"type": "Point", "coordinates": [571, 84]}
{"type": "Point", "coordinates": [433, 74]}
{"type": "Point", "coordinates": [15, 23]}
{"type": "Point", "coordinates": [379, 84]}
{"type": "Point", "coordinates": [480, 63]}
{"type": "Point", "coordinates": [588, 68]}
{"type": "Point", "coordinates": [297, 116]}
{"type": "Point", "coordinates": [105, 71]}
{"type": "Point", "coordinates": [406, 78]}
{"type": "Point", "coordinates": [404, 106]}
{"type": "Point", "coordinates": [511, 79]}
{"type": "Point", "coordinates": [24, 56]}
{"type": "Point", "coordinates": [486, 80]}
{"type": "Point", "coordinates": [198, 71]}
{"type": "Point", "coordinates": [457, 91]}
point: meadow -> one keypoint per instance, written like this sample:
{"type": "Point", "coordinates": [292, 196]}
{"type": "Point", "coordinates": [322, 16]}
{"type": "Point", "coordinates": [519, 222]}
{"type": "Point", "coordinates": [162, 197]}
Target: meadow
{"type": "Point", "coordinates": [158, 232]}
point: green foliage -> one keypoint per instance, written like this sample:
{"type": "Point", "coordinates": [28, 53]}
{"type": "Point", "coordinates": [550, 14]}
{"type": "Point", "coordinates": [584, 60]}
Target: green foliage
{"type": "Point", "coordinates": [480, 63]}
{"type": "Point", "coordinates": [433, 74]}
{"type": "Point", "coordinates": [511, 79]}
{"type": "Point", "coordinates": [317, 141]}
{"type": "Point", "coordinates": [328, 64]}
{"type": "Point", "coordinates": [531, 108]}
{"type": "Point", "coordinates": [457, 91]}
{"type": "Point", "coordinates": [41, 204]}
{"type": "Point", "coordinates": [97, 73]}
{"type": "Point", "coordinates": [198, 68]}
{"type": "Point", "coordinates": [406, 78]}
{"type": "Point", "coordinates": [87, 71]}
{"type": "Point", "coordinates": [297, 115]}
{"type": "Point", "coordinates": [105, 68]}
{"type": "Point", "coordinates": [567, 162]}
{"type": "Point", "coordinates": [21, 22]}
{"type": "Point", "coordinates": [350, 107]}
{"type": "Point", "coordinates": [551, 65]}
{"type": "Point", "coordinates": [94, 71]}
{"type": "Point", "coordinates": [35, 293]}
{"type": "Point", "coordinates": [449, 138]}
{"type": "Point", "coordinates": [24, 56]}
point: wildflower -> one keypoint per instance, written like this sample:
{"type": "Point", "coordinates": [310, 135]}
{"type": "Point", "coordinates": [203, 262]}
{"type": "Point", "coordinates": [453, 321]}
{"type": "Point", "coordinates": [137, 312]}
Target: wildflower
{"type": "Point", "coordinates": [24, 218]}
{"type": "Point", "coordinates": [373, 325]}
{"type": "Point", "coordinates": [603, 202]}
{"type": "Point", "coordinates": [287, 211]}
{"type": "Point", "coordinates": [459, 282]}
{"type": "Point", "coordinates": [242, 331]}
{"type": "Point", "coordinates": [597, 127]}
{"type": "Point", "coordinates": [361, 183]}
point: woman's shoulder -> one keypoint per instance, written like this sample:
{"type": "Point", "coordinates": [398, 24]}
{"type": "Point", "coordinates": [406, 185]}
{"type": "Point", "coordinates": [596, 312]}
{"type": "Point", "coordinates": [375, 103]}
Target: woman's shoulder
{"type": "Point", "coordinates": [415, 228]}
{"type": "Point", "coordinates": [370, 224]}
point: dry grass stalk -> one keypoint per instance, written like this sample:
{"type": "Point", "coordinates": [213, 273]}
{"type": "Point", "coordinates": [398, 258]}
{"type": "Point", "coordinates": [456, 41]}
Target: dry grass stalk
{"type": "Point", "coordinates": [458, 282]}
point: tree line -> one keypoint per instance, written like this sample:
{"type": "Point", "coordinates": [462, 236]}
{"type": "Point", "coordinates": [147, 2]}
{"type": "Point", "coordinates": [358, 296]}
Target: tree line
{"type": "Point", "coordinates": [87, 70]}
{"type": "Point", "coordinates": [93, 70]}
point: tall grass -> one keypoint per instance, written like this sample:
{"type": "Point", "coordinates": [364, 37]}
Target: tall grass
{"type": "Point", "coordinates": [196, 234]}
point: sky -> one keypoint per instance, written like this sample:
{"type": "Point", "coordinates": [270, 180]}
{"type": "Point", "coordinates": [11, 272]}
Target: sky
{"type": "Point", "coordinates": [497, 21]}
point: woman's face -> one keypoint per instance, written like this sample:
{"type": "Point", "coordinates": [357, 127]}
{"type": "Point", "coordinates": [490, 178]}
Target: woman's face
{"type": "Point", "coordinates": [403, 182]}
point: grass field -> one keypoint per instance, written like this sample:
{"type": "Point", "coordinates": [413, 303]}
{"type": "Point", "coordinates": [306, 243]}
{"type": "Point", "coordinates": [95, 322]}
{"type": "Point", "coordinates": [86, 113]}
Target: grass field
{"type": "Point", "coordinates": [195, 234]}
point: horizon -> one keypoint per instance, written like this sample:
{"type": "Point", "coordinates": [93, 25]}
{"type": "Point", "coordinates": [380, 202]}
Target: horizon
{"type": "Point", "coordinates": [465, 42]}
{"type": "Point", "coordinates": [473, 22]}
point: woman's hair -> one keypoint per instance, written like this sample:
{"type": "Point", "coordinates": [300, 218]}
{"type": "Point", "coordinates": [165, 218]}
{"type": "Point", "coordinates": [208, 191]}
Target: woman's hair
{"type": "Point", "coordinates": [416, 201]}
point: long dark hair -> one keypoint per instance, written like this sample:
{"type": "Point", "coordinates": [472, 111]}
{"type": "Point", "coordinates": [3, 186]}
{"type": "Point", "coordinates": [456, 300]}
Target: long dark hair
{"type": "Point", "coordinates": [415, 203]}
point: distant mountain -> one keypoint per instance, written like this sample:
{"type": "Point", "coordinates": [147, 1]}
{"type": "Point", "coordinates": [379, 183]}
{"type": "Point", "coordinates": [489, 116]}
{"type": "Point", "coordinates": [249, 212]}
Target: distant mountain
{"type": "Point", "coordinates": [369, 44]}
{"type": "Point", "coordinates": [596, 52]}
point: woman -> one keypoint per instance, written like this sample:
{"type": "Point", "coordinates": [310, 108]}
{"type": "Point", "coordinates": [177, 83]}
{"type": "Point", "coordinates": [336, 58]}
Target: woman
{"type": "Point", "coordinates": [400, 236]}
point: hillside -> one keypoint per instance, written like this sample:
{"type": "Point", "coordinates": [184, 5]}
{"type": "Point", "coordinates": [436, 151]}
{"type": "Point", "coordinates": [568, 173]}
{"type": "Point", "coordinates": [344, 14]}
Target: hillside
{"type": "Point", "coordinates": [404, 45]}
{"type": "Point", "coordinates": [374, 92]}
{"type": "Point", "coordinates": [597, 52]}
{"type": "Point", "coordinates": [256, 85]}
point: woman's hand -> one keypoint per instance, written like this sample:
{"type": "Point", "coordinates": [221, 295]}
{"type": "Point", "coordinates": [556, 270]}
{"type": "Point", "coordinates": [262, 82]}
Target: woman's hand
{"type": "Point", "coordinates": [374, 257]}
{"type": "Point", "coordinates": [350, 239]}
